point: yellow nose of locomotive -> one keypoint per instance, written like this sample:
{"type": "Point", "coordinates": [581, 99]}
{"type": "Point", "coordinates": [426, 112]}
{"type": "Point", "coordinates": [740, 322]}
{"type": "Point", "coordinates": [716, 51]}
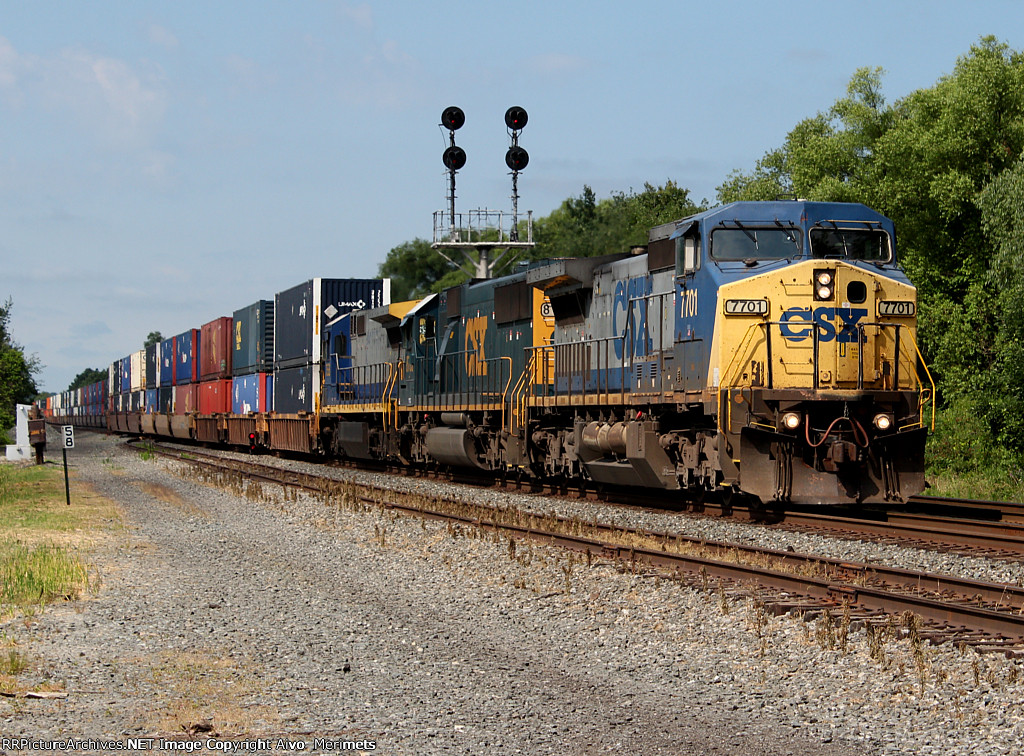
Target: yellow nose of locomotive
{"type": "Point", "coordinates": [821, 382]}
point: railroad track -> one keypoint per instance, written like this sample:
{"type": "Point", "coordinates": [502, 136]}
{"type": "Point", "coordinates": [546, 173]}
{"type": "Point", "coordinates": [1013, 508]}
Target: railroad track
{"type": "Point", "coordinates": [986, 615]}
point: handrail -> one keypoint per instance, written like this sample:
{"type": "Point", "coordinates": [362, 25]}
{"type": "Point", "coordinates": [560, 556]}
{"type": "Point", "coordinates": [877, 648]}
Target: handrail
{"type": "Point", "coordinates": [727, 380]}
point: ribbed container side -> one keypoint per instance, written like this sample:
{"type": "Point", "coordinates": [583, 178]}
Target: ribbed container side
{"type": "Point", "coordinates": [253, 338]}
{"type": "Point", "coordinates": [250, 393]}
{"type": "Point", "coordinates": [124, 370]}
{"type": "Point", "coordinates": [215, 396]}
{"type": "Point", "coordinates": [215, 349]}
{"type": "Point", "coordinates": [152, 400]}
{"type": "Point", "coordinates": [167, 362]}
{"type": "Point", "coordinates": [186, 398]}
{"type": "Point", "coordinates": [138, 369]}
{"type": "Point", "coordinates": [293, 389]}
{"type": "Point", "coordinates": [301, 312]}
{"type": "Point", "coordinates": [186, 350]}
{"type": "Point", "coordinates": [151, 366]}
{"type": "Point", "coordinates": [165, 400]}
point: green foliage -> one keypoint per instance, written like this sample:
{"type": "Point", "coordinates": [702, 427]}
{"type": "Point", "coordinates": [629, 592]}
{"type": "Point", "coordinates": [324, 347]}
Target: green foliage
{"type": "Point", "coordinates": [584, 226]}
{"type": "Point", "coordinates": [945, 163]}
{"type": "Point", "coordinates": [154, 338]}
{"type": "Point", "coordinates": [17, 372]}
{"type": "Point", "coordinates": [88, 377]}
{"type": "Point", "coordinates": [415, 270]}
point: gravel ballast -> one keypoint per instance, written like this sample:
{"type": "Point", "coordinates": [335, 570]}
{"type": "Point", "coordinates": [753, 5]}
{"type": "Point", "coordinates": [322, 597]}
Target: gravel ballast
{"type": "Point", "coordinates": [287, 617]}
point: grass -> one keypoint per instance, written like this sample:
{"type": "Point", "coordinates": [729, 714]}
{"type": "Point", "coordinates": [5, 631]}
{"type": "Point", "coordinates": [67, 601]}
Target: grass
{"type": "Point", "coordinates": [989, 485]}
{"type": "Point", "coordinates": [42, 539]}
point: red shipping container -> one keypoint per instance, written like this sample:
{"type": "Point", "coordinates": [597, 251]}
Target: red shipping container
{"type": "Point", "coordinates": [214, 396]}
{"type": "Point", "coordinates": [186, 398]}
{"type": "Point", "coordinates": [215, 349]}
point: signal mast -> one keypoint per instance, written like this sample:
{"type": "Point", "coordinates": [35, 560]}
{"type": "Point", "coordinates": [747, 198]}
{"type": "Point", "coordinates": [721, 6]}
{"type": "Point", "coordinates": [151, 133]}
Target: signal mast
{"type": "Point", "coordinates": [472, 237]}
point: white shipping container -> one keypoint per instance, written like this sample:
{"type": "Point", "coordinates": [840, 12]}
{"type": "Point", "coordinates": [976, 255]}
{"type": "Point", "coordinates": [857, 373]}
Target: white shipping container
{"type": "Point", "coordinates": [138, 362]}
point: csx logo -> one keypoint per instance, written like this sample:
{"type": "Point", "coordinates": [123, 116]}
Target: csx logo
{"type": "Point", "coordinates": [796, 323]}
{"type": "Point", "coordinates": [476, 335]}
{"type": "Point", "coordinates": [634, 327]}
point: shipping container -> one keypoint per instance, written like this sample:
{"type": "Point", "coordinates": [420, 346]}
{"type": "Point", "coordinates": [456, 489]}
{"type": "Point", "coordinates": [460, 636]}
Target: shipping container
{"type": "Point", "coordinates": [138, 369]}
{"type": "Point", "coordinates": [167, 363]}
{"type": "Point", "coordinates": [186, 351]}
{"type": "Point", "coordinates": [293, 389]}
{"type": "Point", "coordinates": [300, 313]}
{"type": "Point", "coordinates": [165, 400]}
{"type": "Point", "coordinates": [214, 396]}
{"type": "Point", "coordinates": [152, 365]}
{"type": "Point", "coordinates": [253, 339]}
{"type": "Point", "coordinates": [252, 393]}
{"type": "Point", "coordinates": [215, 349]}
{"type": "Point", "coordinates": [125, 371]}
{"type": "Point", "coordinates": [152, 400]}
{"type": "Point", "coordinates": [186, 398]}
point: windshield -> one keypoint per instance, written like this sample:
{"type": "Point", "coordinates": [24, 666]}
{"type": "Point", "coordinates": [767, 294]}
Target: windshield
{"type": "Point", "coordinates": [856, 244]}
{"type": "Point", "coordinates": [755, 243]}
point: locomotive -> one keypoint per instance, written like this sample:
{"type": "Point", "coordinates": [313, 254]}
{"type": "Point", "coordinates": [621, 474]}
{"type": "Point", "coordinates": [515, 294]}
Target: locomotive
{"type": "Point", "coordinates": [765, 349]}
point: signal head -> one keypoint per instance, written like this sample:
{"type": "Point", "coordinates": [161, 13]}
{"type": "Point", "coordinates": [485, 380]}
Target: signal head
{"type": "Point", "coordinates": [452, 118]}
{"type": "Point", "coordinates": [517, 158]}
{"type": "Point", "coordinates": [454, 158]}
{"type": "Point", "coordinates": [515, 118]}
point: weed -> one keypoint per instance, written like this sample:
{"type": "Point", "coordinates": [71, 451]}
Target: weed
{"type": "Point", "coordinates": [13, 662]}
{"type": "Point", "coordinates": [39, 574]}
{"type": "Point", "coordinates": [146, 452]}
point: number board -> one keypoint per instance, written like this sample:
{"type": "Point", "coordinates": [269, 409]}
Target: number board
{"type": "Point", "coordinates": [746, 307]}
{"type": "Point", "coordinates": [894, 309]}
{"type": "Point", "coordinates": [69, 436]}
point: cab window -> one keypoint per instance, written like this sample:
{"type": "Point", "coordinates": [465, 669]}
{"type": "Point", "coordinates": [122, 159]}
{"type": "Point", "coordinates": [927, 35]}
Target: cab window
{"type": "Point", "coordinates": [748, 243]}
{"type": "Point", "coordinates": [851, 243]}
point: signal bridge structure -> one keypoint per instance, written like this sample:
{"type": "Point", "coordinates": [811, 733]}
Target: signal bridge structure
{"type": "Point", "coordinates": [473, 236]}
{"type": "Point", "coordinates": [480, 232]}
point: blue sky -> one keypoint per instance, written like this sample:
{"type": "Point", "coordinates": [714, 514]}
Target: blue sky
{"type": "Point", "coordinates": [163, 164]}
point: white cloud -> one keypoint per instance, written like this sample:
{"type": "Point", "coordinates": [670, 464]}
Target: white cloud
{"type": "Point", "coordinates": [361, 15]}
{"type": "Point", "coordinates": [247, 73]}
{"type": "Point", "coordinates": [105, 94]}
{"type": "Point", "coordinates": [162, 36]}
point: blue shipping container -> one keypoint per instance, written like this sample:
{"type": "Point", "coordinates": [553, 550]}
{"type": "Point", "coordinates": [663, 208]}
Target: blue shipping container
{"type": "Point", "coordinates": [186, 349]}
{"type": "Point", "coordinates": [167, 362]}
{"type": "Point", "coordinates": [252, 393]}
{"type": "Point", "coordinates": [125, 371]}
{"type": "Point", "coordinates": [152, 400]}
{"type": "Point", "coordinates": [301, 312]}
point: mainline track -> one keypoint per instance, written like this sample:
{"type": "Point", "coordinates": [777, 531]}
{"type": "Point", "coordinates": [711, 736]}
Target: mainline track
{"type": "Point", "coordinates": [989, 615]}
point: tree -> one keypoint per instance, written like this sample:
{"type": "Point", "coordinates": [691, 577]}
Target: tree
{"type": "Point", "coordinates": [153, 338]}
{"type": "Point", "coordinates": [584, 226]}
{"type": "Point", "coordinates": [415, 269]}
{"type": "Point", "coordinates": [88, 377]}
{"type": "Point", "coordinates": [945, 163]}
{"type": "Point", "coordinates": [17, 372]}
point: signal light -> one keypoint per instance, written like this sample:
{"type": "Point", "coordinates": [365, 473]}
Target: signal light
{"type": "Point", "coordinates": [515, 118]}
{"type": "Point", "coordinates": [252, 442]}
{"type": "Point", "coordinates": [452, 118]}
{"type": "Point", "coordinates": [517, 158]}
{"type": "Point", "coordinates": [454, 158]}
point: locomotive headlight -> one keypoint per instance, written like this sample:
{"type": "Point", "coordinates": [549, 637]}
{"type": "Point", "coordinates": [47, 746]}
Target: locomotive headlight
{"type": "Point", "coordinates": [824, 284]}
{"type": "Point", "coordinates": [791, 420]}
{"type": "Point", "coordinates": [883, 421]}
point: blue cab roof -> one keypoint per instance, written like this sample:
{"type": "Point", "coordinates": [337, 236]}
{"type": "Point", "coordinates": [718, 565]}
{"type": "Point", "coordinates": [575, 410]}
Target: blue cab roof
{"type": "Point", "coordinates": [802, 213]}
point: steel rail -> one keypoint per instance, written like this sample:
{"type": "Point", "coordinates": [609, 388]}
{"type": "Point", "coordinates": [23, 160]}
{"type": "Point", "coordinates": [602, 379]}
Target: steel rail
{"type": "Point", "coordinates": [964, 605]}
